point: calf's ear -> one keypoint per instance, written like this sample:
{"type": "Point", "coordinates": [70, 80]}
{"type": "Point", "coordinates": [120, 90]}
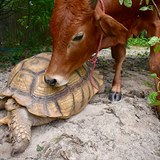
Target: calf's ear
{"type": "Point", "coordinates": [112, 28]}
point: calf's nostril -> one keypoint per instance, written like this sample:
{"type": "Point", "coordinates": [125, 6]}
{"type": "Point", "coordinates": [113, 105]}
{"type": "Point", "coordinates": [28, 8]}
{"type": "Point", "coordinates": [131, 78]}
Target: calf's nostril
{"type": "Point", "coordinates": [51, 82]}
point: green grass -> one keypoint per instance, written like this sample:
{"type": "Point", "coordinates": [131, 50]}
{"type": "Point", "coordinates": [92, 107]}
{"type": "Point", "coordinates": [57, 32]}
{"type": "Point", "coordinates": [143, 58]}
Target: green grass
{"type": "Point", "coordinates": [143, 42]}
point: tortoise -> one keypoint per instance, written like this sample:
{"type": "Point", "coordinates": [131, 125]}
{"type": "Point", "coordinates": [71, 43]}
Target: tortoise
{"type": "Point", "coordinates": [30, 101]}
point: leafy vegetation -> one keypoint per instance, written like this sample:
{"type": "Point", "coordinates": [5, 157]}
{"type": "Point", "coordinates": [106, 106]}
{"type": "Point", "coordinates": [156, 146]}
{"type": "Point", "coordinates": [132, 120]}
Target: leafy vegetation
{"type": "Point", "coordinates": [31, 35]}
{"type": "Point", "coordinates": [128, 3]}
{"type": "Point", "coordinates": [143, 42]}
{"type": "Point", "coordinates": [153, 98]}
{"type": "Point", "coordinates": [39, 148]}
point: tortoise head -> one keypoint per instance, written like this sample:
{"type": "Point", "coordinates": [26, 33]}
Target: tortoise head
{"type": "Point", "coordinates": [11, 104]}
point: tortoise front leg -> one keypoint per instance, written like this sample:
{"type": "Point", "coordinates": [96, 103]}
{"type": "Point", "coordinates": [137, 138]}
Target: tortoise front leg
{"type": "Point", "coordinates": [20, 130]}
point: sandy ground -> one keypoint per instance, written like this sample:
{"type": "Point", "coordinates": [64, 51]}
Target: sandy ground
{"type": "Point", "coordinates": [125, 130]}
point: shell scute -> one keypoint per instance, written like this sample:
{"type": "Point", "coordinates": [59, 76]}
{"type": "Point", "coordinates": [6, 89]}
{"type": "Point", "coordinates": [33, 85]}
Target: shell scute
{"type": "Point", "coordinates": [22, 81]}
{"type": "Point", "coordinates": [53, 110]}
{"type": "Point", "coordinates": [78, 100]}
{"type": "Point", "coordinates": [15, 70]}
{"type": "Point", "coordinates": [45, 55]}
{"type": "Point", "coordinates": [38, 109]}
{"type": "Point", "coordinates": [35, 65]}
{"type": "Point", "coordinates": [66, 104]}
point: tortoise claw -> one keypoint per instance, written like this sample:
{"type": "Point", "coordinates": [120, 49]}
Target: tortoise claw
{"type": "Point", "coordinates": [115, 96]}
{"type": "Point", "coordinates": [19, 147]}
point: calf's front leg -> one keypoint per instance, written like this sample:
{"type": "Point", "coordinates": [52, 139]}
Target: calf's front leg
{"type": "Point", "coordinates": [118, 53]}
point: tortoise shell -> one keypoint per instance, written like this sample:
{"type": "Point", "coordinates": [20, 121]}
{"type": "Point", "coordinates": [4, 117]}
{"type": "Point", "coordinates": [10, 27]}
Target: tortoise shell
{"type": "Point", "coordinates": [27, 86]}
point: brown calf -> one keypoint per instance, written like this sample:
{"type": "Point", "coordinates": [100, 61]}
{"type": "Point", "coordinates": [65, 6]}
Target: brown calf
{"type": "Point", "coordinates": [76, 27]}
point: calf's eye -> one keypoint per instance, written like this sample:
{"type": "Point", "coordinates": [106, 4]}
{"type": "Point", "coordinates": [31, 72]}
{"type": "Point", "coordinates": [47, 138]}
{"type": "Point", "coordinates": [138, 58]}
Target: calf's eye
{"type": "Point", "coordinates": [78, 37]}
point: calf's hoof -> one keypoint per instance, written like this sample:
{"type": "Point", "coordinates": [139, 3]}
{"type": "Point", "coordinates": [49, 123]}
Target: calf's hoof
{"type": "Point", "coordinates": [115, 96]}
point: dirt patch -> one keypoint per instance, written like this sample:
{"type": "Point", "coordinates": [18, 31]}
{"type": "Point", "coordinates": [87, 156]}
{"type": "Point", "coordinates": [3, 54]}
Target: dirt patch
{"type": "Point", "coordinates": [125, 130]}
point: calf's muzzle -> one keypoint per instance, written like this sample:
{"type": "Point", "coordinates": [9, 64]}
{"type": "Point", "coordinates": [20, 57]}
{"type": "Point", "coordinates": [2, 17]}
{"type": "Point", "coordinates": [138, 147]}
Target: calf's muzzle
{"type": "Point", "coordinates": [51, 82]}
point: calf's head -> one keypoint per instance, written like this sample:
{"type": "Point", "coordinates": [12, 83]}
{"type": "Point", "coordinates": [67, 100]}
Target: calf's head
{"type": "Point", "coordinates": [76, 27]}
